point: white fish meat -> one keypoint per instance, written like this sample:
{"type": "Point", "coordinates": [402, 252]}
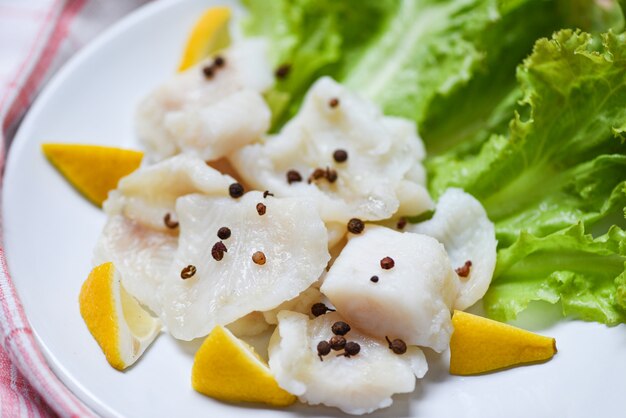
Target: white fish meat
{"type": "Point", "coordinates": [461, 224]}
{"type": "Point", "coordinates": [149, 193]}
{"type": "Point", "coordinates": [230, 285]}
{"type": "Point", "coordinates": [208, 117]}
{"type": "Point", "coordinates": [411, 301]}
{"type": "Point", "coordinates": [142, 255]}
{"type": "Point", "coordinates": [357, 384]}
{"type": "Point", "coordinates": [384, 158]}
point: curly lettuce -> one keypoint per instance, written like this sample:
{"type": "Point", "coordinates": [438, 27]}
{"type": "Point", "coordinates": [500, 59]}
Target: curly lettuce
{"type": "Point", "coordinates": [586, 275]}
{"type": "Point", "coordinates": [564, 157]}
{"type": "Point", "coordinates": [422, 59]}
{"type": "Point", "coordinates": [541, 144]}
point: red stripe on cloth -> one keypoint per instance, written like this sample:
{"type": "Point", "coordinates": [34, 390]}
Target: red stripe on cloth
{"type": "Point", "coordinates": [16, 393]}
{"type": "Point", "coordinates": [34, 47]}
{"type": "Point", "coordinates": [32, 83]}
{"type": "Point", "coordinates": [42, 379]}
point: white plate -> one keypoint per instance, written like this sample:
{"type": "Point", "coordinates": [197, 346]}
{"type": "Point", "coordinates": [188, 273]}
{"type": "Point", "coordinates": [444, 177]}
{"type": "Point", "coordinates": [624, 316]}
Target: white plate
{"type": "Point", "coordinates": [50, 231]}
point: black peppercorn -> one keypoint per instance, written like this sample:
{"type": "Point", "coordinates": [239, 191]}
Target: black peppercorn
{"type": "Point", "coordinates": [323, 348]}
{"type": "Point", "coordinates": [188, 272]}
{"type": "Point", "coordinates": [293, 176]}
{"type": "Point", "coordinates": [208, 71]}
{"type": "Point", "coordinates": [397, 346]}
{"type": "Point", "coordinates": [337, 342]}
{"type": "Point", "coordinates": [340, 155]}
{"type": "Point", "coordinates": [334, 102]}
{"type": "Point", "coordinates": [356, 226]}
{"type": "Point", "coordinates": [340, 328]}
{"type": "Point", "coordinates": [387, 263]}
{"type": "Point", "coordinates": [319, 309]}
{"type": "Point", "coordinates": [218, 250]}
{"type": "Point", "coordinates": [464, 270]}
{"type": "Point", "coordinates": [235, 190]}
{"type": "Point", "coordinates": [223, 233]}
{"type": "Point", "coordinates": [374, 279]}
{"type": "Point", "coordinates": [261, 208]}
{"type": "Point", "coordinates": [219, 61]}
{"type": "Point", "coordinates": [352, 349]}
{"type": "Point", "coordinates": [283, 71]}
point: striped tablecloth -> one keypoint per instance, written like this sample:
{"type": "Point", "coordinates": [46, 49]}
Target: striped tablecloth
{"type": "Point", "coordinates": [36, 38]}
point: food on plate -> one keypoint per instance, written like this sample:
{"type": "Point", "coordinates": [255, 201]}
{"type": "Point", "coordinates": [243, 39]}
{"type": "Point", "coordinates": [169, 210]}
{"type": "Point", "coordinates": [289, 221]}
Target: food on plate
{"type": "Point", "coordinates": [93, 170]}
{"type": "Point", "coordinates": [200, 111]}
{"type": "Point", "coordinates": [149, 194]}
{"type": "Point", "coordinates": [461, 224]}
{"type": "Point", "coordinates": [141, 233]}
{"type": "Point", "coordinates": [269, 152]}
{"type": "Point", "coordinates": [268, 257]}
{"type": "Point", "coordinates": [396, 284]}
{"type": "Point", "coordinates": [481, 345]}
{"type": "Point", "coordinates": [586, 275]}
{"type": "Point", "coordinates": [342, 152]}
{"type": "Point", "coordinates": [228, 369]}
{"type": "Point", "coordinates": [142, 255]}
{"type": "Point", "coordinates": [122, 328]}
{"type": "Point", "coordinates": [250, 325]}
{"type": "Point", "coordinates": [561, 164]}
{"type": "Point", "coordinates": [209, 34]}
{"type": "Point", "coordinates": [302, 303]}
{"type": "Point", "coordinates": [324, 361]}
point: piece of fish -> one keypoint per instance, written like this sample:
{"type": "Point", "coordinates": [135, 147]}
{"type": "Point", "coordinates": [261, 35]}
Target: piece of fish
{"type": "Point", "coordinates": [461, 224]}
{"type": "Point", "coordinates": [150, 193]}
{"type": "Point", "coordinates": [208, 116]}
{"type": "Point", "coordinates": [229, 284]}
{"type": "Point", "coordinates": [384, 157]}
{"type": "Point", "coordinates": [142, 255]}
{"type": "Point", "coordinates": [357, 384]}
{"type": "Point", "coordinates": [412, 300]}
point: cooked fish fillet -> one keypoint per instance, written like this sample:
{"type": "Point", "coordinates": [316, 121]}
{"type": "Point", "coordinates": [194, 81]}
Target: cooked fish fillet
{"type": "Point", "coordinates": [357, 384]}
{"type": "Point", "coordinates": [411, 300]}
{"type": "Point", "coordinates": [383, 162]}
{"type": "Point", "coordinates": [208, 116]}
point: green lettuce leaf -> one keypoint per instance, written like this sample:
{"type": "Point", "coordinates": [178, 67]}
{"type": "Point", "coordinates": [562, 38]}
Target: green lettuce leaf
{"type": "Point", "coordinates": [447, 64]}
{"type": "Point", "coordinates": [563, 159]}
{"type": "Point", "coordinates": [460, 121]}
{"type": "Point", "coordinates": [311, 38]}
{"type": "Point", "coordinates": [587, 275]}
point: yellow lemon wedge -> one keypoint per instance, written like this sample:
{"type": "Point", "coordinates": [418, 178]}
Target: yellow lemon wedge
{"type": "Point", "coordinates": [92, 169]}
{"type": "Point", "coordinates": [480, 345]}
{"type": "Point", "coordinates": [122, 328]}
{"type": "Point", "coordinates": [228, 369]}
{"type": "Point", "coordinates": [209, 34]}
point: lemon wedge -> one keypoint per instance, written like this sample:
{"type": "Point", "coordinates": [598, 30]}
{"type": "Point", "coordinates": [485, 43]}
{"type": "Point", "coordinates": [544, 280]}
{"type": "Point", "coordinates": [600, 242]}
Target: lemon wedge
{"type": "Point", "coordinates": [228, 369]}
{"type": "Point", "coordinates": [480, 345]}
{"type": "Point", "coordinates": [93, 170]}
{"type": "Point", "coordinates": [209, 34]}
{"type": "Point", "coordinates": [122, 328]}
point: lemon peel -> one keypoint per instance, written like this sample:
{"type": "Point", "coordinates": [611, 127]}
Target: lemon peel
{"type": "Point", "coordinates": [121, 327]}
{"type": "Point", "coordinates": [480, 345]}
{"type": "Point", "coordinates": [228, 369]}
{"type": "Point", "coordinates": [92, 169]}
{"type": "Point", "coordinates": [208, 35]}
